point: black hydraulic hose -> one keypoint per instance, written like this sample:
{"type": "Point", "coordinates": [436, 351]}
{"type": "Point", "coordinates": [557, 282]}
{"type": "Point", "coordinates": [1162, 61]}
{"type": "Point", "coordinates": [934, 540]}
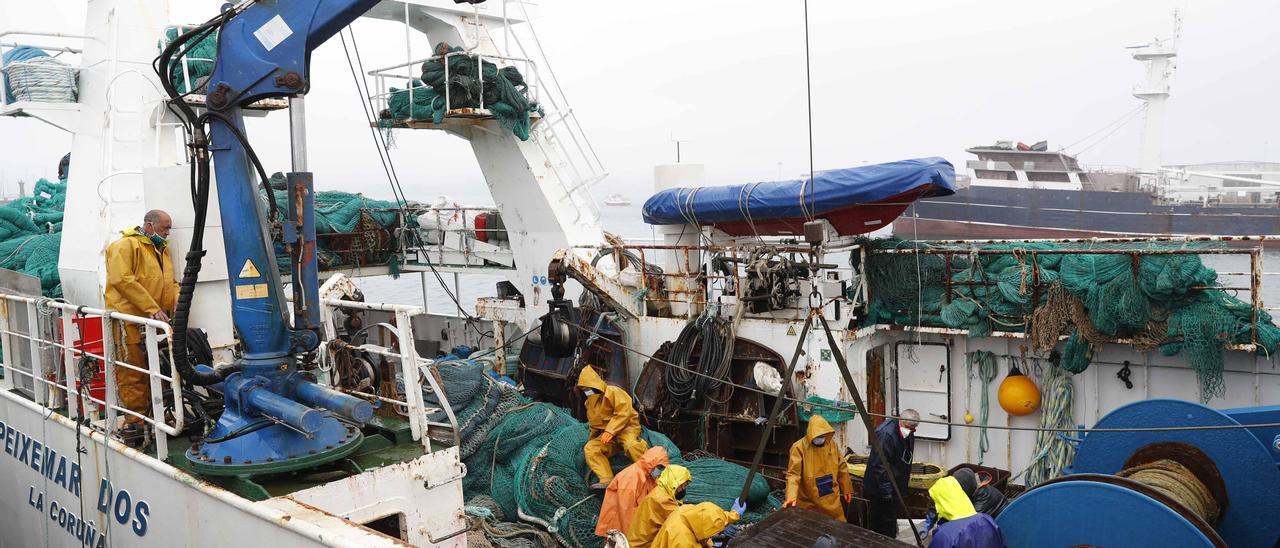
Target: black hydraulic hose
{"type": "Point", "coordinates": [191, 274]}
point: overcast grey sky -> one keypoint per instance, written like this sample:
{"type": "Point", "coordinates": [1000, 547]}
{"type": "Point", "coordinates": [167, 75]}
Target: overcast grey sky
{"type": "Point", "coordinates": [891, 80]}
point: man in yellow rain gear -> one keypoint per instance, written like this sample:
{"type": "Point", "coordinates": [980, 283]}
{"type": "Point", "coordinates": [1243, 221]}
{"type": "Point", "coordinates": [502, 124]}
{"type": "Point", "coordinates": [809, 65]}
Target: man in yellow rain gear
{"type": "Point", "coordinates": [658, 505]}
{"type": "Point", "coordinates": [614, 425]}
{"type": "Point", "coordinates": [817, 478]}
{"type": "Point", "coordinates": [691, 526]}
{"type": "Point", "coordinates": [140, 282]}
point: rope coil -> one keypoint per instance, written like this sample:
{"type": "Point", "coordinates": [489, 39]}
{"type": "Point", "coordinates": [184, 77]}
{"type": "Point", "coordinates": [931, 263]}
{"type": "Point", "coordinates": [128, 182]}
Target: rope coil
{"type": "Point", "coordinates": [1178, 483]}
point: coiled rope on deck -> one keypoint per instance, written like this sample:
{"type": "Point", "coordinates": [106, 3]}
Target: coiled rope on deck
{"type": "Point", "coordinates": [1178, 483]}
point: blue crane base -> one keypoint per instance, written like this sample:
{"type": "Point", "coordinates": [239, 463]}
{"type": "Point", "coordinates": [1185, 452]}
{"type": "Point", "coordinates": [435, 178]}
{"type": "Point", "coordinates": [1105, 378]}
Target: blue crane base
{"type": "Point", "coordinates": [278, 421]}
{"type": "Point", "coordinates": [273, 449]}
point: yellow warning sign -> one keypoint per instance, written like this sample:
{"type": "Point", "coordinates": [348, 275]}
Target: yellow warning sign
{"type": "Point", "coordinates": [249, 270]}
{"type": "Point", "coordinates": [251, 291]}
{"type": "Point", "coordinates": [791, 330]}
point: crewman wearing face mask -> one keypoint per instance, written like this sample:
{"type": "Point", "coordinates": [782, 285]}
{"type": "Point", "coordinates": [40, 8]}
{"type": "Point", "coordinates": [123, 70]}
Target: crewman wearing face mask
{"type": "Point", "coordinates": [614, 425]}
{"type": "Point", "coordinates": [628, 488]}
{"type": "Point", "coordinates": [691, 526]}
{"type": "Point", "coordinates": [658, 505]}
{"type": "Point", "coordinates": [140, 282]}
{"type": "Point", "coordinates": [817, 478]}
{"type": "Point", "coordinates": [898, 440]}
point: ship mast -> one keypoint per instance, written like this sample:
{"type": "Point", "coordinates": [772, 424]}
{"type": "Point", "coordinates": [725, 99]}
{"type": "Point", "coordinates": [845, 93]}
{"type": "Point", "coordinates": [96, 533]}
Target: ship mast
{"type": "Point", "coordinates": [1158, 57]}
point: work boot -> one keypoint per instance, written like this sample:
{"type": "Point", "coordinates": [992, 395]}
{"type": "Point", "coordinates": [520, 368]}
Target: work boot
{"type": "Point", "coordinates": [135, 435]}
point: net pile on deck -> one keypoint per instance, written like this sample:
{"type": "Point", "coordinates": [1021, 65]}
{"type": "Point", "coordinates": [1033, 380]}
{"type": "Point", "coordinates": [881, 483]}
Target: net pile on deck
{"type": "Point", "coordinates": [339, 212]}
{"type": "Point", "coordinates": [526, 457]}
{"type": "Point", "coordinates": [1153, 300]}
{"type": "Point", "coordinates": [471, 83]}
{"type": "Point", "coordinates": [31, 234]}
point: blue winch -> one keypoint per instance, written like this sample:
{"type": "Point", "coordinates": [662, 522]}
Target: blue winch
{"type": "Point", "coordinates": [1162, 483]}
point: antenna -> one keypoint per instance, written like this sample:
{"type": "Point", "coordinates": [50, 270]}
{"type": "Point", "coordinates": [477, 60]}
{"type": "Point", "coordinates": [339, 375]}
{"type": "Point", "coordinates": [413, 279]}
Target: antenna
{"type": "Point", "coordinates": [1158, 56]}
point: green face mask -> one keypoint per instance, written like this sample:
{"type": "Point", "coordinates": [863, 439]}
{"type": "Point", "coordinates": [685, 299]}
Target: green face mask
{"type": "Point", "coordinates": [157, 239]}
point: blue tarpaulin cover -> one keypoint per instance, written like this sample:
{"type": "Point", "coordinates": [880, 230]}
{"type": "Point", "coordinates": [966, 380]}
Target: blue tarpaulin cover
{"type": "Point", "coordinates": [828, 191]}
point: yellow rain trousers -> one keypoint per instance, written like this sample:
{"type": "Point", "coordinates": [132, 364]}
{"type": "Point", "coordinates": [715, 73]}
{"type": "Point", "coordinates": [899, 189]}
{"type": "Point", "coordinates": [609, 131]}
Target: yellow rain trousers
{"type": "Point", "coordinates": [817, 477]}
{"type": "Point", "coordinates": [691, 526]}
{"type": "Point", "coordinates": [657, 506]}
{"type": "Point", "coordinates": [140, 281]}
{"type": "Point", "coordinates": [949, 499]}
{"type": "Point", "coordinates": [609, 410]}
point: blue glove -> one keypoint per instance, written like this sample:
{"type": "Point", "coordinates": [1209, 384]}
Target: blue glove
{"type": "Point", "coordinates": [739, 506]}
{"type": "Point", "coordinates": [928, 524]}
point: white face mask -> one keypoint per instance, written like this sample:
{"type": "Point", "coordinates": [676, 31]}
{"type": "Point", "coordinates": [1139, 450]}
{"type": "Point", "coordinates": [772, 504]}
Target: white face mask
{"type": "Point", "coordinates": [905, 431]}
{"type": "Point", "coordinates": [588, 392]}
{"type": "Point", "coordinates": [819, 442]}
{"type": "Point", "coordinates": [656, 472]}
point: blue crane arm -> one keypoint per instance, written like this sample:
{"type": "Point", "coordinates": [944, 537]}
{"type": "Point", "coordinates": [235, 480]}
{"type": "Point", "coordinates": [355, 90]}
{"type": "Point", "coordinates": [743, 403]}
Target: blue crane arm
{"type": "Point", "coordinates": [263, 52]}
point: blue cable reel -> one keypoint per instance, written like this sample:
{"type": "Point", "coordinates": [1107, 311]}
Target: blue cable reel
{"type": "Point", "coordinates": [1094, 506]}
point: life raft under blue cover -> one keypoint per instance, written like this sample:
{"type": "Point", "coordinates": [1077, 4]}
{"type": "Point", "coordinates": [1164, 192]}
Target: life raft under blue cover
{"type": "Point", "coordinates": [854, 200]}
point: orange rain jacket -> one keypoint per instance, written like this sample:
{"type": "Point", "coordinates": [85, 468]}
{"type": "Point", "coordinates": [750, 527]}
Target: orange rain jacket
{"type": "Point", "coordinates": [627, 489]}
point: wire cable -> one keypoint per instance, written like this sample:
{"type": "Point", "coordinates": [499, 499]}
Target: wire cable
{"type": "Point", "coordinates": [844, 406]}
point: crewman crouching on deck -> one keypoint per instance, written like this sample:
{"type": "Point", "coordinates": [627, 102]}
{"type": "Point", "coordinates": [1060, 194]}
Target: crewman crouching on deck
{"type": "Point", "coordinates": [658, 505]}
{"type": "Point", "coordinates": [614, 425]}
{"type": "Point", "coordinates": [962, 526]}
{"type": "Point", "coordinates": [691, 526]}
{"type": "Point", "coordinates": [628, 488]}
{"type": "Point", "coordinates": [817, 478]}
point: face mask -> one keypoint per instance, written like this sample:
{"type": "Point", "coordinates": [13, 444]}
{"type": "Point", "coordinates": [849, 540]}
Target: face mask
{"type": "Point", "coordinates": [158, 239]}
{"type": "Point", "coordinates": [680, 494]}
{"type": "Point", "coordinates": [819, 442]}
{"type": "Point", "coordinates": [656, 472]}
{"type": "Point", "coordinates": [905, 431]}
{"type": "Point", "coordinates": [588, 393]}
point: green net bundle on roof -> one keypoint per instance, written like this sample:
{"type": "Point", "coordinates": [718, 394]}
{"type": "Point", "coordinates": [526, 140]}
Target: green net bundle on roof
{"type": "Point", "coordinates": [31, 234]}
{"type": "Point", "coordinates": [471, 82]}
{"type": "Point", "coordinates": [1154, 300]}
{"type": "Point", "coordinates": [336, 212]}
{"type": "Point", "coordinates": [196, 65]}
{"type": "Point", "coordinates": [527, 458]}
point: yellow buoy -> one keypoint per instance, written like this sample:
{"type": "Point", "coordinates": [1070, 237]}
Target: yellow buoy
{"type": "Point", "coordinates": [1018, 394]}
{"type": "Point", "coordinates": [968, 417]}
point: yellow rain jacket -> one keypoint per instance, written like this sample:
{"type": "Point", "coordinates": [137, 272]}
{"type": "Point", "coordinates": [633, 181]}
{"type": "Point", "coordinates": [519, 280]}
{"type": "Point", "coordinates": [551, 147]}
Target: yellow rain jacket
{"type": "Point", "coordinates": [691, 526]}
{"type": "Point", "coordinates": [140, 282]}
{"type": "Point", "coordinates": [817, 478]}
{"type": "Point", "coordinates": [949, 499]}
{"type": "Point", "coordinates": [609, 410]}
{"type": "Point", "coordinates": [140, 277]}
{"type": "Point", "coordinates": [657, 506]}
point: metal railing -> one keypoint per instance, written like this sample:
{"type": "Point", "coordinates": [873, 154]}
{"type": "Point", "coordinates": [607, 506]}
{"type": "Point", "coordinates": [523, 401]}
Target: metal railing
{"type": "Point", "coordinates": [966, 248]}
{"type": "Point", "coordinates": [409, 361]}
{"type": "Point", "coordinates": [54, 383]}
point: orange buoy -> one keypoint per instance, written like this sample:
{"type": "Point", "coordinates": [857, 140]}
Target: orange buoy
{"type": "Point", "coordinates": [1018, 394]}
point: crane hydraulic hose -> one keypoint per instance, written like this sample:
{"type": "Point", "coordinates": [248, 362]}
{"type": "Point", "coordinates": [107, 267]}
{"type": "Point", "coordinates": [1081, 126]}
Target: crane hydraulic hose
{"type": "Point", "coordinates": [191, 274]}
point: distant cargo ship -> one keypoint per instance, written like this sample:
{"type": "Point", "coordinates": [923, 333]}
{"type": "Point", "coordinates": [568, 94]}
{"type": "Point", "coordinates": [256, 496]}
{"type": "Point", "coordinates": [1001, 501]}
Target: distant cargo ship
{"type": "Point", "coordinates": [1031, 192]}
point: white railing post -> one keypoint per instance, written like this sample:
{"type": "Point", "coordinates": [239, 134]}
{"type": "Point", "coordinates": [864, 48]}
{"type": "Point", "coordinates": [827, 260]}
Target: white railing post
{"type": "Point", "coordinates": [37, 371]}
{"type": "Point", "coordinates": [109, 371]}
{"type": "Point", "coordinates": [70, 365]}
{"type": "Point", "coordinates": [6, 342]}
{"type": "Point", "coordinates": [412, 382]}
{"type": "Point", "coordinates": [157, 392]}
